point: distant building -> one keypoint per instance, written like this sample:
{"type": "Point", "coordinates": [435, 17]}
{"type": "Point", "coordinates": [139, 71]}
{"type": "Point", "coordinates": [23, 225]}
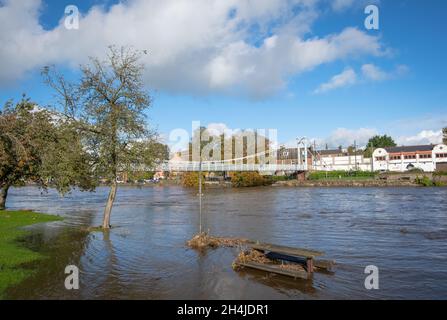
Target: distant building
{"type": "Point", "coordinates": [428, 158]}
{"type": "Point", "coordinates": [340, 159]}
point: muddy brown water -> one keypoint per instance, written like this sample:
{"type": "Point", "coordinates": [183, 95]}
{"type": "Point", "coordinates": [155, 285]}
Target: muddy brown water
{"type": "Point", "coordinates": [402, 231]}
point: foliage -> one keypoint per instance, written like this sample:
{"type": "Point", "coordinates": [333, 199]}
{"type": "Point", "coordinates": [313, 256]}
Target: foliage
{"type": "Point", "coordinates": [140, 175]}
{"type": "Point", "coordinates": [321, 175]}
{"type": "Point", "coordinates": [378, 142]}
{"type": "Point", "coordinates": [13, 256]}
{"type": "Point", "coordinates": [248, 144]}
{"type": "Point", "coordinates": [35, 146]}
{"type": "Point", "coordinates": [191, 179]}
{"type": "Point", "coordinates": [427, 182]}
{"type": "Point", "coordinates": [444, 135]}
{"type": "Point", "coordinates": [424, 181]}
{"type": "Point", "coordinates": [108, 106]}
{"type": "Point", "coordinates": [248, 179]}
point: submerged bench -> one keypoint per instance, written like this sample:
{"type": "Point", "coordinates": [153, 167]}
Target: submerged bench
{"type": "Point", "coordinates": [298, 255]}
{"type": "Point", "coordinates": [302, 274]}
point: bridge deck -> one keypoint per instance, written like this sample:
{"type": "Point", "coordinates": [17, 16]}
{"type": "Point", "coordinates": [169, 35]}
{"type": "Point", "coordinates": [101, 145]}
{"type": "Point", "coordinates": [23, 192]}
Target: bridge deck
{"type": "Point", "coordinates": [215, 166]}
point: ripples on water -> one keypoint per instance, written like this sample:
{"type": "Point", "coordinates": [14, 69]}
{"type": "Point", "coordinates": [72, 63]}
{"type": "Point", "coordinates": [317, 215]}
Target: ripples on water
{"type": "Point", "coordinates": [403, 231]}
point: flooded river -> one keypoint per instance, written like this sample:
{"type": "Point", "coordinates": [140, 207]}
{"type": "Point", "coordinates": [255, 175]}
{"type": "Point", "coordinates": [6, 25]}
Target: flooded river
{"type": "Point", "coordinates": [402, 231]}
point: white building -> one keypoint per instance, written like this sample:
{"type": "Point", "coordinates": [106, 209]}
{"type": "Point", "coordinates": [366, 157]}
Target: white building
{"type": "Point", "coordinates": [340, 160]}
{"type": "Point", "coordinates": [428, 158]}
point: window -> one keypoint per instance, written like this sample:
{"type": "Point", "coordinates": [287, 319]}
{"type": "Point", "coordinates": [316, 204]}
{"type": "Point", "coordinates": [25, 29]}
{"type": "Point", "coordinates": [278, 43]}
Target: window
{"type": "Point", "coordinates": [410, 157]}
{"type": "Point", "coordinates": [425, 156]}
{"type": "Point", "coordinates": [395, 158]}
{"type": "Point", "coordinates": [441, 155]}
{"type": "Point", "coordinates": [380, 158]}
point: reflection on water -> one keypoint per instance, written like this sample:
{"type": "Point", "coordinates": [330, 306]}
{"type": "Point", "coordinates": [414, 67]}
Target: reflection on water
{"type": "Point", "coordinates": [403, 231]}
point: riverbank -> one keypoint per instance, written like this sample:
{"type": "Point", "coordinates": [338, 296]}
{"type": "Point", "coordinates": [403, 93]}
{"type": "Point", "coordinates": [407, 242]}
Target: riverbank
{"type": "Point", "coordinates": [346, 183]}
{"type": "Point", "coordinates": [13, 256]}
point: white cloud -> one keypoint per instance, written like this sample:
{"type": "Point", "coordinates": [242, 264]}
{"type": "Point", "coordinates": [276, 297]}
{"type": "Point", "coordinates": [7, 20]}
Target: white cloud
{"type": "Point", "coordinates": [195, 46]}
{"type": "Point", "coordinates": [341, 137]}
{"type": "Point", "coordinates": [423, 137]}
{"type": "Point", "coordinates": [375, 73]}
{"type": "Point", "coordinates": [339, 5]}
{"type": "Point", "coordinates": [370, 72]}
{"type": "Point", "coordinates": [344, 79]}
{"type": "Point", "coordinates": [219, 129]}
{"type": "Point", "coordinates": [346, 137]}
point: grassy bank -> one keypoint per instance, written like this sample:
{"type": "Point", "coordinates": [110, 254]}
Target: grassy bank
{"type": "Point", "coordinates": [12, 255]}
{"type": "Point", "coordinates": [341, 175]}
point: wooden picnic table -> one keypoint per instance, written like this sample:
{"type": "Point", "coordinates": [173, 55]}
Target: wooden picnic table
{"type": "Point", "coordinates": [307, 254]}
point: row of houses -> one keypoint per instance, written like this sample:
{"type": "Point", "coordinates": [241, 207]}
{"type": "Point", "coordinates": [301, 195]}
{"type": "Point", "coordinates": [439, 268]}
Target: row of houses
{"type": "Point", "coordinates": [428, 158]}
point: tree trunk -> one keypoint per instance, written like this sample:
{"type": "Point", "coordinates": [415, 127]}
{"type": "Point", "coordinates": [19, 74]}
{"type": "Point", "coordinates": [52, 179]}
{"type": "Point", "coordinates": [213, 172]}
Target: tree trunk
{"type": "Point", "coordinates": [3, 195]}
{"type": "Point", "coordinates": [108, 209]}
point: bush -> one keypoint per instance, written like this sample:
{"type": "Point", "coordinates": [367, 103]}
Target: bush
{"type": "Point", "coordinates": [140, 175]}
{"type": "Point", "coordinates": [191, 179]}
{"type": "Point", "coordinates": [318, 175]}
{"type": "Point", "coordinates": [249, 179]}
{"type": "Point", "coordinates": [427, 182]}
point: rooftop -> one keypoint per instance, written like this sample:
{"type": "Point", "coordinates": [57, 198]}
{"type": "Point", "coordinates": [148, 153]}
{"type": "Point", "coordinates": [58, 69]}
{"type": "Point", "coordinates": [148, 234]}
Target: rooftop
{"type": "Point", "coordinates": [428, 147]}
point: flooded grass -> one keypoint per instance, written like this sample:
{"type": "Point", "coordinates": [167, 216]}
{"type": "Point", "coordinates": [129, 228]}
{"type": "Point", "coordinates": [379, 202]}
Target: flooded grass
{"type": "Point", "coordinates": [13, 256]}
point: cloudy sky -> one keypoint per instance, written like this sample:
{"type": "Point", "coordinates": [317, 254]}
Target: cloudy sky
{"type": "Point", "coordinates": [303, 67]}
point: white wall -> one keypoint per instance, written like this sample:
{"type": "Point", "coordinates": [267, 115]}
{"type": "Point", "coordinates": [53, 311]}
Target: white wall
{"type": "Point", "coordinates": [345, 163]}
{"type": "Point", "coordinates": [428, 165]}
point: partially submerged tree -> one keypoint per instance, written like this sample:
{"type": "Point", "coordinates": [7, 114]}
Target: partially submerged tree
{"type": "Point", "coordinates": [108, 106]}
{"type": "Point", "coordinates": [36, 147]}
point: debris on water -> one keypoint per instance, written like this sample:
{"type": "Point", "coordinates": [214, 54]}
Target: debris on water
{"type": "Point", "coordinates": [204, 240]}
{"type": "Point", "coordinates": [404, 230]}
{"type": "Point", "coordinates": [252, 256]}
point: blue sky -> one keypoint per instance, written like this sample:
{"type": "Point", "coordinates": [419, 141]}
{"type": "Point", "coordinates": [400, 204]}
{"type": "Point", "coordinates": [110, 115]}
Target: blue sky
{"type": "Point", "coordinates": [304, 67]}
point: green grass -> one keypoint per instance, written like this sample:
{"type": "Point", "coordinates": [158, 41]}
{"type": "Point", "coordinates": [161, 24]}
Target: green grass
{"type": "Point", "coordinates": [342, 175]}
{"type": "Point", "coordinates": [12, 255]}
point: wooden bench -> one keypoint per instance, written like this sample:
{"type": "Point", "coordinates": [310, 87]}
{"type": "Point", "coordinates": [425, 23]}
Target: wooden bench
{"type": "Point", "coordinates": [302, 274]}
{"type": "Point", "coordinates": [300, 253]}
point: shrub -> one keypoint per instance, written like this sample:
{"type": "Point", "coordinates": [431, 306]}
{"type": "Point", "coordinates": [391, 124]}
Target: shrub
{"type": "Point", "coordinates": [191, 179]}
{"type": "Point", "coordinates": [249, 179]}
{"type": "Point", "coordinates": [427, 182]}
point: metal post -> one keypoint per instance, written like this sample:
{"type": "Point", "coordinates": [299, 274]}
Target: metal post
{"type": "Point", "coordinates": [200, 196]}
{"type": "Point", "coordinates": [305, 155]}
